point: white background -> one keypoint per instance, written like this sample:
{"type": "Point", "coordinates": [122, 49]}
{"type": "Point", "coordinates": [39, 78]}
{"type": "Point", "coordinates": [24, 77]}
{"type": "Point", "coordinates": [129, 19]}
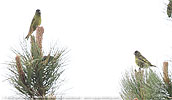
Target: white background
{"type": "Point", "coordinates": [101, 36]}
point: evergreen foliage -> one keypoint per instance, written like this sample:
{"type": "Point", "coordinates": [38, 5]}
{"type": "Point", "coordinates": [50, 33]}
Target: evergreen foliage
{"type": "Point", "coordinates": [144, 85]}
{"type": "Point", "coordinates": [33, 73]}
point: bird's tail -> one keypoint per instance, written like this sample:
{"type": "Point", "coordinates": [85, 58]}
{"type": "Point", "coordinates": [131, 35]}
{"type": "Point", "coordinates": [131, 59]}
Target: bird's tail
{"type": "Point", "coordinates": [153, 66]}
{"type": "Point", "coordinates": [27, 37]}
{"type": "Point", "coordinates": [29, 33]}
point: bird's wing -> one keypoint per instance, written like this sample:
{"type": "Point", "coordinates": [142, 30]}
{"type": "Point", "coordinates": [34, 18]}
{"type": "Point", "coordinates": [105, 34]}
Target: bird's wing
{"type": "Point", "coordinates": [32, 26]}
{"type": "Point", "coordinates": [144, 60]}
{"type": "Point", "coordinates": [32, 21]}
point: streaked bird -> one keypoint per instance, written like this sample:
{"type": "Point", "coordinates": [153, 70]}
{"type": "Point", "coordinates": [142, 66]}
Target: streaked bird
{"type": "Point", "coordinates": [36, 21]}
{"type": "Point", "coordinates": [47, 57]}
{"type": "Point", "coordinates": [169, 9]}
{"type": "Point", "coordinates": [141, 61]}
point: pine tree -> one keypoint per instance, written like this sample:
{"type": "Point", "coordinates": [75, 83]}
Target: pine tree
{"type": "Point", "coordinates": [33, 73]}
{"type": "Point", "coordinates": [146, 84]}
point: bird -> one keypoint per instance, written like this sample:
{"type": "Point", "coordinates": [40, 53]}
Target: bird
{"type": "Point", "coordinates": [47, 59]}
{"type": "Point", "coordinates": [141, 61]}
{"type": "Point", "coordinates": [36, 21]}
{"type": "Point", "coordinates": [169, 9]}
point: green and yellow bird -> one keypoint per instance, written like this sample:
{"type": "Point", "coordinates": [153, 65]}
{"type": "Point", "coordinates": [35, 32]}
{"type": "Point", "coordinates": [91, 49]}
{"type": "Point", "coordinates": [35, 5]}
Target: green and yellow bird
{"type": "Point", "coordinates": [36, 21]}
{"type": "Point", "coordinates": [141, 61]}
{"type": "Point", "coordinates": [169, 9]}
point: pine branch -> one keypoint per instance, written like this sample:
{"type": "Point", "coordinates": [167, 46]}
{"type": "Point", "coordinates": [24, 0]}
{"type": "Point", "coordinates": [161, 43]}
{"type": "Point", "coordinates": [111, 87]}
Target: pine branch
{"type": "Point", "coordinates": [39, 37]}
{"type": "Point", "coordinates": [166, 79]}
{"type": "Point", "coordinates": [165, 73]}
{"type": "Point", "coordinates": [33, 73]}
{"type": "Point", "coordinates": [143, 85]}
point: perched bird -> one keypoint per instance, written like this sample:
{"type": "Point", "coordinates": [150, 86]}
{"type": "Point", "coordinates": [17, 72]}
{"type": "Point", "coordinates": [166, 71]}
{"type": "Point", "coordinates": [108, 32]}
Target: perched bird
{"type": "Point", "coordinates": [47, 59]}
{"type": "Point", "coordinates": [141, 61]}
{"type": "Point", "coordinates": [169, 9]}
{"type": "Point", "coordinates": [36, 21]}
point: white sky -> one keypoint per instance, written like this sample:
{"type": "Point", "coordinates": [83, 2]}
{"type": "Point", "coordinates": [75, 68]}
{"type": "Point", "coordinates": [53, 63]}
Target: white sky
{"type": "Point", "coordinates": [101, 35]}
